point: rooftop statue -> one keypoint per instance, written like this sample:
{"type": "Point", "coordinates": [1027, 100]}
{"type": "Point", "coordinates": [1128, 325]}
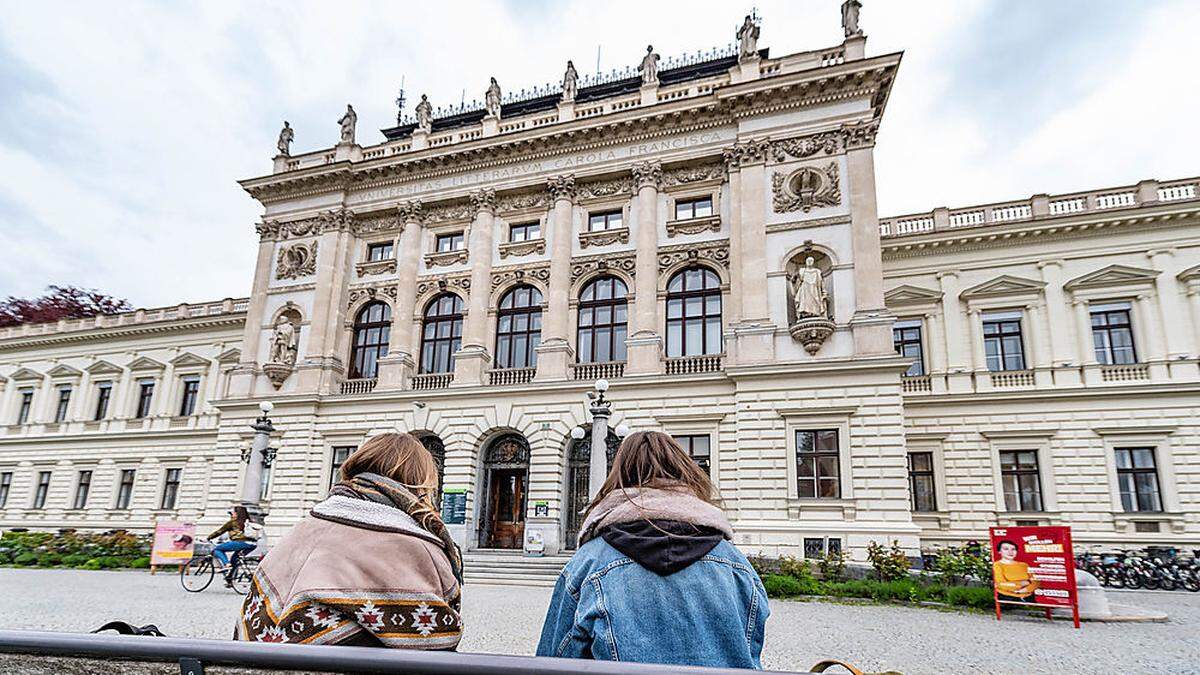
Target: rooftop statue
{"type": "Point", "coordinates": [348, 122]}
{"type": "Point", "coordinates": [285, 140]}
{"type": "Point", "coordinates": [570, 83]}
{"type": "Point", "coordinates": [747, 37]}
{"type": "Point", "coordinates": [491, 99]}
{"type": "Point", "coordinates": [649, 67]}
{"type": "Point", "coordinates": [850, 10]}
{"type": "Point", "coordinates": [424, 114]}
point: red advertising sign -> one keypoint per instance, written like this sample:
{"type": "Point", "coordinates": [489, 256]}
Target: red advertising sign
{"type": "Point", "coordinates": [173, 542]}
{"type": "Point", "coordinates": [1034, 567]}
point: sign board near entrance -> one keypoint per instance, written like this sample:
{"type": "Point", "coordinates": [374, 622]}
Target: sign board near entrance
{"type": "Point", "coordinates": [173, 542]}
{"type": "Point", "coordinates": [454, 506]}
{"type": "Point", "coordinates": [1034, 567]}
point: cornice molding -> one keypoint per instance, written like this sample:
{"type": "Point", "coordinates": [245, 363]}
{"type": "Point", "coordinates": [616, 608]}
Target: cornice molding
{"type": "Point", "coordinates": [115, 332]}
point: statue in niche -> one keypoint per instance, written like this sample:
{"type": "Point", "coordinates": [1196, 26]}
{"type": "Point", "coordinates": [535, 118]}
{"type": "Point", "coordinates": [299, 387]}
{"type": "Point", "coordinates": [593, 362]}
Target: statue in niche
{"type": "Point", "coordinates": [811, 323]}
{"type": "Point", "coordinates": [348, 122]}
{"type": "Point", "coordinates": [570, 83]}
{"type": "Point", "coordinates": [649, 67]}
{"type": "Point", "coordinates": [491, 99]}
{"type": "Point", "coordinates": [424, 114]}
{"type": "Point", "coordinates": [284, 144]}
{"type": "Point", "coordinates": [747, 37]}
{"type": "Point", "coordinates": [283, 342]}
{"type": "Point", "coordinates": [850, 10]}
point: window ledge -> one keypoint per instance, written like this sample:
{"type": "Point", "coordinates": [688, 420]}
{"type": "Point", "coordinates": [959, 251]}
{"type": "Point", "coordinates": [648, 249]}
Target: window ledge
{"type": "Point", "coordinates": [385, 266]}
{"type": "Point", "coordinates": [522, 248]}
{"type": "Point", "coordinates": [604, 237]}
{"type": "Point", "coordinates": [1148, 516]}
{"type": "Point", "coordinates": [693, 225]}
{"type": "Point", "coordinates": [445, 258]}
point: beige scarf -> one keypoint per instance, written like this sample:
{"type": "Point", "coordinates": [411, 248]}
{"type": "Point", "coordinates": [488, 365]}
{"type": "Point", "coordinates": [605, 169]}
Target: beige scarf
{"type": "Point", "coordinates": [659, 503]}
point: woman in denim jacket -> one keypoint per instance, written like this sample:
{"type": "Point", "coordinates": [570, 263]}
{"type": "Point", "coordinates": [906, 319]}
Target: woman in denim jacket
{"type": "Point", "coordinates": [655, 578]}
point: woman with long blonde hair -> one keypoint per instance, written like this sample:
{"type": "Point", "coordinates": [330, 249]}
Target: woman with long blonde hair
{"type": "Point", "coordinates": [656, 578]}
{"type": "Point", "coordinates": [371, 565]}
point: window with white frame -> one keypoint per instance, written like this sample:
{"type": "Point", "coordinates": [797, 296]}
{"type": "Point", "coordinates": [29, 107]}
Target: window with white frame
{"type": "Point", "coordinates": [818, 464]}
{"type": "Point", "coordinates": [170, 491]}
{"type": "Point", "coordinates": [83, 485]}
{"type": "Point", "coordinates": [524, 231]}
{"type": "Point", "coordinates": [1020, 474]}
{"type": "Point", "coordinates": [1112, 333]}
{"type": "Point", "coordinates": [605, 220]}
{"type": "Point", "coordinates": [42, 490]}
{"type": "Point", "coordinates": [103, 396]}
{"type": "Point", "coordinates": [1003, 343]}
{"type": "Point", "coordinates": [25, 407]}
{"type": "Point", "coordinates": [699, 448]}
{"type": "Point", "coordinates": [693, 207]}
{"type": "Point", "coordinates": [383, 250]}
{"type": "Point", "coordinates": [145, 398]}
{"type": "Point", "coordinates": [1137, 479]}
{"type": "Point", "coordinates": [906, 338]}
{"type": "Point", "coordinates": [64, 403]}
{"type": "Point", "coordinates": [125, 489]}
{"type": "Point", "coordinates": [451, 241]}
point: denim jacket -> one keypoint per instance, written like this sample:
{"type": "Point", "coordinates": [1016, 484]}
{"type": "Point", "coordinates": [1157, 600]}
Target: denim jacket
{"type": "Point", "coordinates": [607, 605]}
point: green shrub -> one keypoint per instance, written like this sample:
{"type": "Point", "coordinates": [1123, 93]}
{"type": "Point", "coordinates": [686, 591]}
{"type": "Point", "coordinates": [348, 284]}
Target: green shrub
{"type": "Point", "coordinates": [890, 563]}
{"type": "Point", "coordinates": [832, 566]}
{"type": "Point", "coordinates": [74, 560]}
{"type": "Point", "coordinates": [49, 559]}
{"type": "Point", "coordinates": [970, 596]}
{"type": "Point", "coordinates": [782, 586]}
{"type": "Point", "coordinates": [26, 559]}
{"type": "Point", "coordinates": [93, 564]}
{"type": "Point", "coordinates": [962, 563]}
{"type": "Point", "coordinates": [140, 563]}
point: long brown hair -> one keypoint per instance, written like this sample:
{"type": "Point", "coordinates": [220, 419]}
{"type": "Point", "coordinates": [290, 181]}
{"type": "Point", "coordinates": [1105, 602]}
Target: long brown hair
{"type": "Point", "coordinates": [399, 456]}
{"type": "Point", "coordinates": [654, 459]}
{"type": "Point", "coordinates": [240, 516]}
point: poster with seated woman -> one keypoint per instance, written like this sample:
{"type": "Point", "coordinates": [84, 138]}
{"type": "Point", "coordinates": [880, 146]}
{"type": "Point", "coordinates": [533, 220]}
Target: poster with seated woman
{"type": "Point", "coordinates": [1034, 566]}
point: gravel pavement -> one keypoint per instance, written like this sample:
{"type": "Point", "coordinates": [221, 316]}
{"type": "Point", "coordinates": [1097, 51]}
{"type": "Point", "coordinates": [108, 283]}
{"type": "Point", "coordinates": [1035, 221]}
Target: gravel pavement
{"type": "Point", "coordinates": [507, 619]}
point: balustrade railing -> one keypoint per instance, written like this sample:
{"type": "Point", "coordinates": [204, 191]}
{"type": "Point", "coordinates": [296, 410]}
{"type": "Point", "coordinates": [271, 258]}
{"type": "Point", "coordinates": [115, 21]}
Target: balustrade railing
{"type": "Point", "coordinates": [504, 376]}
{"type": "Point", "coordinates": [1042, 206]}
{"type": "Point", "coordinates": [427, 381]}
{"type": "Point", "coordinates": [609, 370]}
{"type": "Point", "coordinates": [689, 365]}
{"type": "Point", "coordinates": [1125, 373]}
{"type": "Point", "coordinates": [916, 384]}
{"type": "Point", "coordinates": [1012, 378]}
{"type": "Point", "coordinates": [358, 385]}
{"type": "Point", "coordinates": [137, 316]}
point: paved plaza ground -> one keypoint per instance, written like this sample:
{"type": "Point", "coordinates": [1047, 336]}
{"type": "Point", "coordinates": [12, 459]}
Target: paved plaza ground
{"type": "Point", "coordinates": [507, 619]}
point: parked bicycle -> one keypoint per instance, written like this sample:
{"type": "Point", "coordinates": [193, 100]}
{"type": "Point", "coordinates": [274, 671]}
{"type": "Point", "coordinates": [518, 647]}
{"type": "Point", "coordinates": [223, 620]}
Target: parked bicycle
{"type": "Point", "coordinates": [1151, 569]}
{"type": "Point", "coordinates": [200, 571]}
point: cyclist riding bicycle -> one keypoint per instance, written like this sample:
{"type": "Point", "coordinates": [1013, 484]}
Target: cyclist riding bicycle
{"type": "Point", "coordinates": [240, 540]}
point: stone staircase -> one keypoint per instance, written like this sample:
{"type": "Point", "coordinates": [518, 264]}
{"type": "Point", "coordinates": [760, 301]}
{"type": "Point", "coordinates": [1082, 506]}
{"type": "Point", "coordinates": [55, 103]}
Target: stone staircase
{"type": "Point", "coordinates": [511, 568]}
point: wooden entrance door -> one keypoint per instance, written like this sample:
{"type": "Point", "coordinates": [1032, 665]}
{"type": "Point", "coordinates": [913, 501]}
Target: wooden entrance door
{"type": "Point", "coordinates": [506, 511]}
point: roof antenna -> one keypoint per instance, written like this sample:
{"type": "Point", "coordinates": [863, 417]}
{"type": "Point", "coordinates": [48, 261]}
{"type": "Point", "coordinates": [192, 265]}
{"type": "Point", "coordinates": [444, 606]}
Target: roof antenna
{"type": "Point", "coordinates": [400, 103]}
{"type": "Point", "coordinates": [462, 102]}
{"type": "Point", "coordinates": [597, 61]}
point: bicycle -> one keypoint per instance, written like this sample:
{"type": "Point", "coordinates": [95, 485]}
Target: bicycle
{"type": "Point", "coordinates": [200, 571]}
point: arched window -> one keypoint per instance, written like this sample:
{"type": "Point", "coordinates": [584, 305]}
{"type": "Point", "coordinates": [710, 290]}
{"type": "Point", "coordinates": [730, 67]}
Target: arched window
{"type": "Point", "coordinates": [603, 321]}
{"type": "Point", "coordinates": [441, 333]}
{"type": "Point", "coordinates": [518, 328]}
{"type": "Point", "coordinates": [694, 313]}
{"type": "Point", "coordinates": [372, 327]}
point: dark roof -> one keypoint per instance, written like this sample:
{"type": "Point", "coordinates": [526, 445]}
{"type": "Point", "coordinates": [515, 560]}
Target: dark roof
{"type": "Point", "coordinates": [595, 92]}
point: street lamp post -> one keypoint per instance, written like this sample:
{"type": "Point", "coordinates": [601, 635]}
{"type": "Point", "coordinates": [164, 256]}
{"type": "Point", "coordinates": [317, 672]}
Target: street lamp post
{"type": "Point", "coordinates": [601, 409]}
{"type": "Point", "coordinates": [258, 459]}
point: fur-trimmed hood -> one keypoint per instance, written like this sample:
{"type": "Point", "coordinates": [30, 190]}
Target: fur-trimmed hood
{"type": "Point", "coordinates": [657, 503]}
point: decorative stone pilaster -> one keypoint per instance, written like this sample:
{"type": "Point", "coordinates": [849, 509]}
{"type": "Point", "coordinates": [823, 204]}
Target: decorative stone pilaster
{"type": "Point", "coordinates": [554, 353]}
{"type": "Point", "coordinates": [241, 380]}
{"type": "Point", "coordinates": [753, 332]}
{"type": "Point", "coordinates": [872, 322]}
{"type": "Point", "coordinates": [321, 366]}
{"type": "Point", "coordinates": [1178, 342]}
{"type": "Point", "coordinates": [472, 361]}
{"type": "Point", "coordinates": [397, 368]}
{"type": "Point", "coordinates": [645, 341]}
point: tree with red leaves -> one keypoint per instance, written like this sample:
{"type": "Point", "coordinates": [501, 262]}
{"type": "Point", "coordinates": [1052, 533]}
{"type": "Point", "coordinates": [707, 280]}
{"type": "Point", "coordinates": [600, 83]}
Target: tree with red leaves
{"type": "Point", "coordinates": [61, 302]}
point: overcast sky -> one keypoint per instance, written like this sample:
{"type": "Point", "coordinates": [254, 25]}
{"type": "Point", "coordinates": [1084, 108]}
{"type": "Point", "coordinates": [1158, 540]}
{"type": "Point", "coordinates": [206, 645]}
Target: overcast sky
{"type": "Point", "coordinates": [124, 125]}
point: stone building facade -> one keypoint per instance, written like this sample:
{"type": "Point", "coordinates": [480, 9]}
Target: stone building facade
{"type": "Point", "coordinates": [705, 238]}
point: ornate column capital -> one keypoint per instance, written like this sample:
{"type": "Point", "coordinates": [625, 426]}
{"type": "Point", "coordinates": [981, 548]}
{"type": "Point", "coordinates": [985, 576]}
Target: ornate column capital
{"type": "Point", "coordinates": [646, 174]}
{"type": "Point", "coordinates": [484, 200]}
{"type": "Point", "coordinates": [267, 230]}
{"type": "Point", "coordinates": [338, 220]}
{"type": "Point", "coordinates": [562, 187]}
{"type": "Point", "coordinates": [745, 153]}
{"type": "Point", "coordinates": [411, 212]}
{"type": "Point", "coordinates": [859, 134]}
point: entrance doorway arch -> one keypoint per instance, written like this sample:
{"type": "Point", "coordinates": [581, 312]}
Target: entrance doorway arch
{"type": "Point", "coordinates": [506, 482]}
{"type": "Point", "coordinates": [579, 462]}
{"type": "Point", "coordinates": [433, 443]}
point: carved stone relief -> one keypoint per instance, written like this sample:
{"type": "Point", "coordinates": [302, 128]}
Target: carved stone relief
{"type": "Point", "coordinates": [581, 267]}
{"type": "Point", "coordinates": [376, 223]}
{"type": "Point", "coordinates": [604, 237]}
{"type": "Point", "coordinates": [521, 248]}
{"type": "Point", "coordinates": [829, 143]}
{"type": "Point", "coordinates": [373, 267]}
{"type": "Point", "coordinates": [806, 188]}
{"type": "Point", "coordinates": [502, 277]}
{"type": "Point", "coordinates": [371, 292]}
{"type": "Point", "coordinates": [449, 212]}
{"type": "Point", "coordinates": [605, 188]}
{"type": "Point", "coordinates": [519, 202]}
{"type": "Point", "coordinates": [329, 221]}
{"type": "Point", "coordinates": [693, 174]}
{"type": "Point", "coordinates": [716, 252]}
{"type": "Point", "coordinates": [442, 282]}
{"type": "Point", "coordinates": [296, 261]}
{"type": "Point", "coordinates": [446, 258]}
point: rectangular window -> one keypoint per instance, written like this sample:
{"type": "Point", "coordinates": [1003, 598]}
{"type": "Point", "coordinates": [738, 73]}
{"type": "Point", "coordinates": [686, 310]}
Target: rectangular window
{"type": "Point", "coordinates": [450, 242]}
{"type": "Point", "coordinates": [191, 392]}
{"type": "Point", "coordinates": [82, 487]}
{"type": "Point", "coordinates": [1137, 479]}
{"type": "Point", "coordinates": [1112, 334]}
{"type": "Point", "coordinates": [700, 207]}
{"type": "Point", "coordinates": [921, 481]}
{"type": "Point", "coordinates": [170, 489]}
{"type": "Point", "coordinates": [818, 468]}
{"type": "Point", "coordinates": [64, 402]}
{"type": "Point", "coordinates": [1021, 479]}
{"type": "Point", "coordinates": [103, 396]}
{"type": "Point", "coordinates": [1002, 342]}
{"type": "Point", "coordinates": [265, 485]}
{"type": "Point", "coordinates": [43, 489]}
{"type": "Point", "coordinates": [906, 338]}
{"type": "Point", "coordinates": [699, 448]}
{"type": "Point", "coordinates": [125, 489]}
{"type": "Point", "coordinates": [604, 220]}
{"type": "Point", "coordinates": [5, 486]}
{"type": "Point", "coordinates": [340, 453]}
{"type": "Point", "coordinates": [525, 232]}
{"type": "Point", "coordinates": [382, 251]}
{"type": "Point", "coordinates": [145, 397]}
{"type": "Point", "coordinates": [26, 406]}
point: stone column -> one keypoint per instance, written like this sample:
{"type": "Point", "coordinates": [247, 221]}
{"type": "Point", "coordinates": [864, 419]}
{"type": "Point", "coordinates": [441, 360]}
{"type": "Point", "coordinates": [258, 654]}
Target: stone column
{"type": "Point", "coordinates": [645, 341]}
{"type": "Point", "coordinates": [471, 363]}
{"type": "Point", "coordinates": [1056, 313]}
{"type": "Point", "coordinates": [80, 396]}
{"type": "Point", "coordinates": [211, 384]}
{"type": "Point", "coordinates": [241, 383]}
{"type": "Point", "coordinates": [118, 406]}
{"type": "Point", "coordinates": [322, 365]}
{"type": "Point", "coordinates": [978, 355]}
{"type": "Point", "coordinates": [1085, 349]}
{"type": "Point", "coordinates": [1178, 342]}
{"type": "Point", "coordinates": [165, 390]}
{"type": "Point", "coordinates": [43, 407]}
{"type": "Point", "coordinates": [554, 354]}
{"type": "Point", "coordinates": [937, 345]}
{"type": "Point", "coordinates": [1039, 345]}
{"type": "Point", "coordinates": [1193, 294]}
{"type": "Point", "coordinates": [956, 358]}
{"type": "Point", "coordinates": [1156, 346]}
{"type": "Point", "coordinates": [872, 321]}
{"type": "Point", "coordinates": [397, 368]}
